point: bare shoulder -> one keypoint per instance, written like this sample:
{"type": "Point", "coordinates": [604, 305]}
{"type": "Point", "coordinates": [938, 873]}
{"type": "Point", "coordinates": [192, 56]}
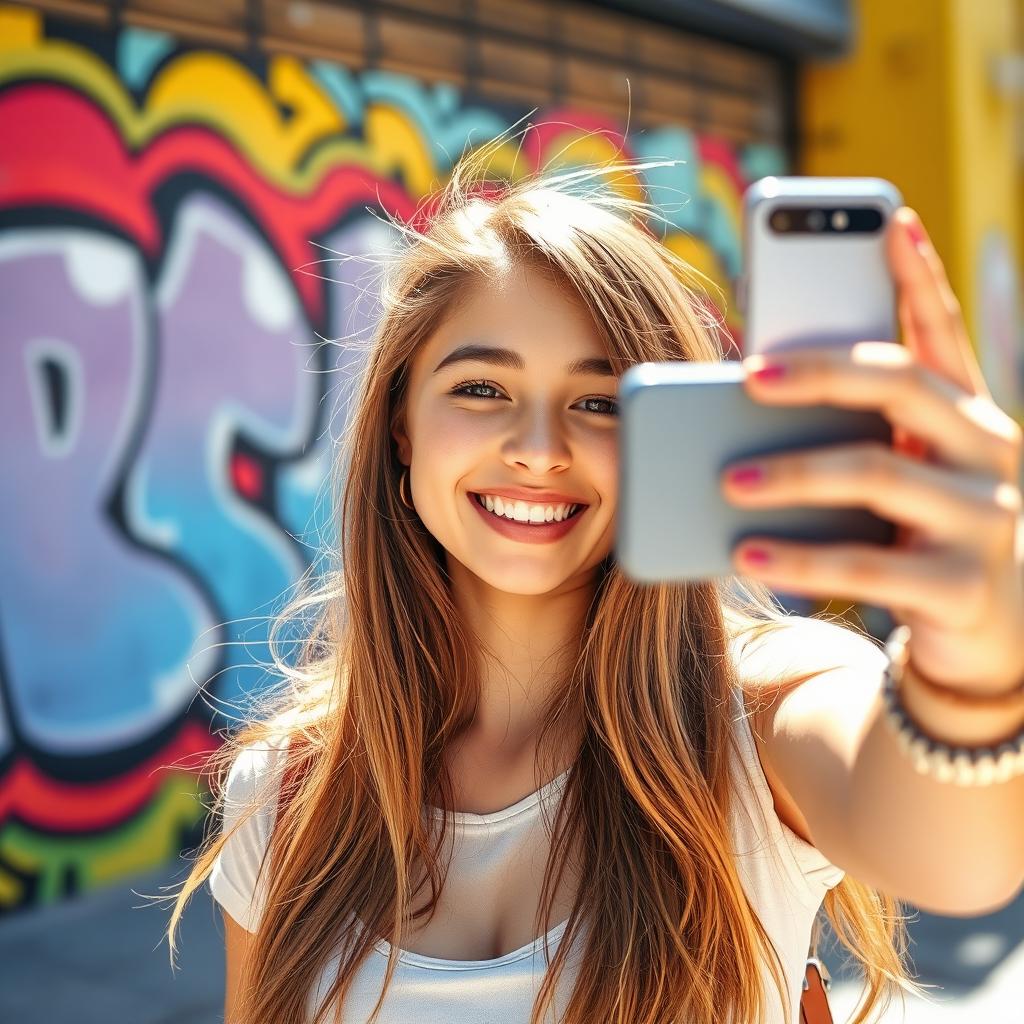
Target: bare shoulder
{"type": "Point", "coordinates": [773, 667]}
{"type": "Point", "coordinates": [236, 948]}
{"type": "Point", "coordinates": [777, 658]}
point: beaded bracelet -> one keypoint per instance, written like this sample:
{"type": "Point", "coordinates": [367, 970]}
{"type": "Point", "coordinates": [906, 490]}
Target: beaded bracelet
{"type": "Point", "coordinates": [961, 765]}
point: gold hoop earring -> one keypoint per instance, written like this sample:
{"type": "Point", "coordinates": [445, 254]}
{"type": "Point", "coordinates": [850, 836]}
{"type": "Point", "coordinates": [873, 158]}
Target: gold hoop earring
{"type": "Point", "coordinates": [407, 502]}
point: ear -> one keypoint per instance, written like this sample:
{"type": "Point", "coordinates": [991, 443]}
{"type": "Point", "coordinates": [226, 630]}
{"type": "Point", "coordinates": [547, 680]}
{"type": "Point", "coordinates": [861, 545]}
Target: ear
{"type": "Point", "coordinates": [401, 439]}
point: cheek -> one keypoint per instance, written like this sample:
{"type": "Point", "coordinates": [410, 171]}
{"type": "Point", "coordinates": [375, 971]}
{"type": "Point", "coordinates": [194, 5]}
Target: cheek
{"type": "Point", "coordinates": [604, 469]}
{"type": "Point", "coordinates": [448, 449]}
{"type": "Point", "coordinates": [453, 435]}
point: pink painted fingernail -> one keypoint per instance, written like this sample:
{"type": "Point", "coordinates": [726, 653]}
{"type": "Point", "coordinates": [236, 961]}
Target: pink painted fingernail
{"type": "Point", "coordinates": [746, 475]}
{"type": "Point", "coordinates": [756, 556]}
{"type": "Point", "coordinates": [917, 233]}
{"type": "Point", "coordinates": [769, 372]}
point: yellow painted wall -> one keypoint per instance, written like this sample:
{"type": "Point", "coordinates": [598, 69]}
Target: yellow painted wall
{"type": "Point", "coordinates": [982, 146]}
{"type": "Point", "coordinates": [881, 109]}
{"type": "Point", "coordinates": [915, 101]}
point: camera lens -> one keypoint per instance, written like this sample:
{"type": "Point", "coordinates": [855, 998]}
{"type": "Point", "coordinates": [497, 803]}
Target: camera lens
{"type": "Point", "coordinates": [780, 220]}
{"type": "Point", "coordinates": [815, 220]}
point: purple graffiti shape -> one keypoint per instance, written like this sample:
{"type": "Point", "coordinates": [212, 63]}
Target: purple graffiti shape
{"type": "Point", "coordinates": [97, 630]}
{"type": "Point", "coordinates": [234, 364]}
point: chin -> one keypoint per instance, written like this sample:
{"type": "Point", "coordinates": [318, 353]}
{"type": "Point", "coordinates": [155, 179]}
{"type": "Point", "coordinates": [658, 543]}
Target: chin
{"type": "Point", "coordinates": [515, 575]}
{"type": "Point", "coordinates": [516, 581]}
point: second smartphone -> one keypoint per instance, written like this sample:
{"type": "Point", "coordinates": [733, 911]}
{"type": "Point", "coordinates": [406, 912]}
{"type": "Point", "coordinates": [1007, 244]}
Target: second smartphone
{"type": "Point", "coordinates": [816, 274]}
{"type": "Point", "coordinates": [815, 267]}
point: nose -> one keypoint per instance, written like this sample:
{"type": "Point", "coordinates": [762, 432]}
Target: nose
{"type": "Point", "coordinates": [539, 443]}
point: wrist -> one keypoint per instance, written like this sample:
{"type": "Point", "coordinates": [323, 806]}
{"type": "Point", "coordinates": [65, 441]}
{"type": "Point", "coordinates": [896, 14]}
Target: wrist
{"type": "Point", "coordinates": [955, 737]}
{"type": "Point", "coordinates": [959, 717]}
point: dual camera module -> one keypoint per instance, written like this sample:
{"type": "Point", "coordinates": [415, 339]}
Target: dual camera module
{"type": "Point", "coordinates": [817, 220]}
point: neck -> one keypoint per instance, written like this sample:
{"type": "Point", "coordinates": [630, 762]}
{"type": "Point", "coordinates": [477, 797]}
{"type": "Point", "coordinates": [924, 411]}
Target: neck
{"type": "Point", "coordinates": [528, 644]}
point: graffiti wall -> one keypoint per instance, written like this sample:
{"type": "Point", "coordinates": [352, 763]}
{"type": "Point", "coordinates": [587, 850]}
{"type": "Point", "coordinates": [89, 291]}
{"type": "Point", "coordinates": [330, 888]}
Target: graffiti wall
{"type": "Point", "coordinates": [170, 389]}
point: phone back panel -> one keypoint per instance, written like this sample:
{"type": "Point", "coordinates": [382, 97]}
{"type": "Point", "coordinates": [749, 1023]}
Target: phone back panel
{"type": "Point", "coordinates": [680, 425]}
{"type": "Point", "coordinates": [817, 289]}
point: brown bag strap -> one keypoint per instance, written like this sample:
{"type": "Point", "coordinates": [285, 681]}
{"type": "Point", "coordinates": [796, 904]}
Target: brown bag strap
{"type": "Point", "coordinates": [814, 1008]}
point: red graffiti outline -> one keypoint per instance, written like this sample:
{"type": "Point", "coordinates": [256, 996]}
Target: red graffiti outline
{"type": "Point", "coordinates": [70, 808]}
{"type": "Point", "coordinates": [87, 168]}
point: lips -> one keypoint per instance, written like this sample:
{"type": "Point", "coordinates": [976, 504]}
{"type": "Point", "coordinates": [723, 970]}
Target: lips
{"type": "Point", "coordinates": [528, 533]}
{"type": "Point", "coordinates": [531, 497]}
{"type": "Point", "coordinates": [477, 497]}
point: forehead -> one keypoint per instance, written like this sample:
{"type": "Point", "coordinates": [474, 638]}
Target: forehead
{"type": "Point", "coordinates": [522, 309]}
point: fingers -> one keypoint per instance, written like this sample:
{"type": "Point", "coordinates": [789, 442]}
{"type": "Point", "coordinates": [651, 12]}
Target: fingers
{"type": "Point", "coordinates": [949, 587]}
{"type": "Point", "coordinates": [929, 311]}
{"type": "Point", "coordinates": [961, 428]}
{"type": "Point", "coordinates": [947, 506]}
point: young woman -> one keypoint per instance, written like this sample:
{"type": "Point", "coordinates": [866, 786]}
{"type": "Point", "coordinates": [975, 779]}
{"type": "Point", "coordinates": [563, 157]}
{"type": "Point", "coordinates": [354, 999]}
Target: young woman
{"type": "Point", "coordinates": [507, 784]}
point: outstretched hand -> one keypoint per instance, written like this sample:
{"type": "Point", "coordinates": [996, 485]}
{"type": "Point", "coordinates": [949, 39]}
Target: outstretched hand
{"type": "Point", "coordinates": [950, 481]}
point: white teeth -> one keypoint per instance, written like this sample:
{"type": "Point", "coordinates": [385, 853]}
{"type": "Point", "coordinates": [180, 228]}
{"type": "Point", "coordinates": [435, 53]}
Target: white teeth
{"type": "Point", "coordinates": [521, 512]}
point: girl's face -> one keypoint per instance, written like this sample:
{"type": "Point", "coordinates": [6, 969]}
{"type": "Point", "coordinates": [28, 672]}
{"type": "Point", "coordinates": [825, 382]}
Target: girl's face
{"type": "Point", "coordinates": [516, 418]}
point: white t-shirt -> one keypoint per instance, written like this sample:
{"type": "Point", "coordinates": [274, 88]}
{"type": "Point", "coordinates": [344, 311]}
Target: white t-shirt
{"type": "Point", "coordinates": [784, 877]}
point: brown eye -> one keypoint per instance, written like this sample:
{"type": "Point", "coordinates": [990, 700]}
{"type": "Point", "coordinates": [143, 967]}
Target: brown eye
{"type": "Point", "coordinates": [466, 390]}
{"type": "Point", "coordinates": [466, 387]}
{"type": "Point", "coordinates": [613, 411]}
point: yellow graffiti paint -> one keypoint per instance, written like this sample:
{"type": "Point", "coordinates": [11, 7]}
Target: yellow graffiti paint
{"type": "Point", "coordinates": [12, 891]}
{"type": "Point", "coordinates": [151, 838]}
{"type": "Point", "coordinates": [577, 148]}
{"type": "Point", "coordinates": [141, 844]}
{"type": "Point", "coordinates": [717, 185]}
{"type": "Point", "coordinates": [509, 162]}
{"type": "Point", "coordinates": [224, 93]}
{"type": "Point", "coordinates": [217, 90]}
{"type": "Point", "coordinates": [57, 61]}
{"type": "Point", "coordinates": [20, 28]}
{"type": "Point", "coordinates": [397, 144]}
{"type": "Point", "coordinates": [20, 860]}
{"type": "Point", "coordinates": [342, 153]}
{"type": "Point", "coordinates": [314, 115]}
{"type": "Point", "coordinates": [204, 88]}
{"type": "Point", "coordinates": [697, 254]}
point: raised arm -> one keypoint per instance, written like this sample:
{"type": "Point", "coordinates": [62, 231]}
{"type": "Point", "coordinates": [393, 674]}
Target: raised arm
{"type": "Point", "coordinates": [841, 782]}
{"type": "Point", "coordinates": [954, 577]}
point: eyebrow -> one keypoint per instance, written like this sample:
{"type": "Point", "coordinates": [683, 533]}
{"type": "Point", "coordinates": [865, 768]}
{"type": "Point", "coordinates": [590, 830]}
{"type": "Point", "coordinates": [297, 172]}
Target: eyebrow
{"type": "Point", "coordinates": [510, 360]}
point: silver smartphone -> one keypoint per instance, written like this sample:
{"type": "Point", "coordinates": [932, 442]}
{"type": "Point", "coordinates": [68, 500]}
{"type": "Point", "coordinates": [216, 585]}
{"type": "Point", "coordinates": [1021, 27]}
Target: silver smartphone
{"type": "Point", "coordinates": [682, 423]}
{"type": "Point", "coordinates": [815, 266]}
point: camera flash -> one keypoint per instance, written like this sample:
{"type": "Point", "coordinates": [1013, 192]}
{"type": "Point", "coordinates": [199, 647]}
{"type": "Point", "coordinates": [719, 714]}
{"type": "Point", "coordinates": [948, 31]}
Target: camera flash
{"type": "Point", "coordinates": [840, 220]}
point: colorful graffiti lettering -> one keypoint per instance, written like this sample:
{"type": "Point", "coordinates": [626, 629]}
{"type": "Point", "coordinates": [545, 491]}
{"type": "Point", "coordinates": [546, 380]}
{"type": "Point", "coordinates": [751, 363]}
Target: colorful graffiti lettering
{"type": "Point", "coordinates": [167, 403]}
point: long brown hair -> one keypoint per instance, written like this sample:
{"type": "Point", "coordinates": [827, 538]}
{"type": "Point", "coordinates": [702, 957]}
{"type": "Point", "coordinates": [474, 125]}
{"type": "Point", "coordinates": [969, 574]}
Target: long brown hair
{"type": "Point", "coordinates": [385, 677]}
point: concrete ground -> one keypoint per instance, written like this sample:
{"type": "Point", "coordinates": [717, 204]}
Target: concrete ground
{"type": "Point", "coordinates": [103, 959]}
{"type": "Point", "coordinates": [976, 965]}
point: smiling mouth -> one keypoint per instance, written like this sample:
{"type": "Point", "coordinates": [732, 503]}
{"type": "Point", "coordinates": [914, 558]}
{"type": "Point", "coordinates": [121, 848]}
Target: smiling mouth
{"type": "Point", "coordinates": [576, 510]}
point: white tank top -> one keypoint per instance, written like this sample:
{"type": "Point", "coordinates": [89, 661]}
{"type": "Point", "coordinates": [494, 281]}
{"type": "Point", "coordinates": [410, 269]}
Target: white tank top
{"type": "Point", "coordinates": [784, 877]}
